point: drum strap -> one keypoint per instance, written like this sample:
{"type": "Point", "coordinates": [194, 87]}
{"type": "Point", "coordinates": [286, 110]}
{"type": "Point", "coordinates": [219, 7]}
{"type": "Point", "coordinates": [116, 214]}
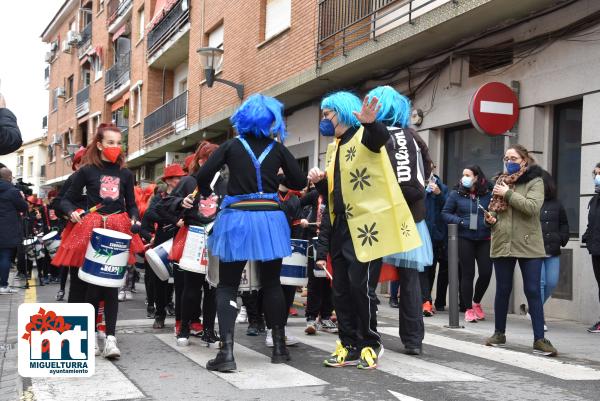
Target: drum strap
{"type": "Point", "coordinates": [257, 162]}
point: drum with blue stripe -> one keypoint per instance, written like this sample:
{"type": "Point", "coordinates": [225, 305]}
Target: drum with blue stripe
{"type": "Point", "coordinates": [106, 258]}
{"type": "Point", "coordinates": [158, 259]}
{"type": "Point", "coordinates": [294, 267]}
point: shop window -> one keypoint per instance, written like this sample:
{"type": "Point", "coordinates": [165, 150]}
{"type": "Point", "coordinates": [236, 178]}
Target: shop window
{"type": "Point", "coordinates": [464, 145]}
{"type": "Point", "coordinates": [567, 159]}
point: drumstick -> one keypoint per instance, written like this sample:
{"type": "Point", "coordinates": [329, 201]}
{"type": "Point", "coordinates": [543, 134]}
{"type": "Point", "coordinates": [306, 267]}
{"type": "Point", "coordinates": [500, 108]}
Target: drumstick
{"type": "Point", "coordinates": [92, 209]}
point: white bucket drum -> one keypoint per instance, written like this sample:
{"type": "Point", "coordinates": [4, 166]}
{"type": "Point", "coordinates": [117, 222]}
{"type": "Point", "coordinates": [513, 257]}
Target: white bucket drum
{"type": "Point", "coordinates": [29, 246]}
{"type": "Point", "coordinates": [158, 259]}
{"type": "Point", "coordinates": [318, 273]}
{"type": "Point", "coordinates": [293, 269]}
{"type": "Point", "coordinates": [51, 242]}
{"type": "Point", "coordinates": [106, 258]}
{"type": "Point", "coordinates": [195, 252]}
{"type": "Point", "coordinates": [39, 246]}
{"type": "Point", "coordinates": [250, 281]}
{"type": "Point", "coordinates": [213, 270]}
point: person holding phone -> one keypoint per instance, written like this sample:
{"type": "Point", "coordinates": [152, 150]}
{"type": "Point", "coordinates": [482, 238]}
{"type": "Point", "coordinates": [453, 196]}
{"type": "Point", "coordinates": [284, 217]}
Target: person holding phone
{"type": "Point", "coordinates": [466, 207]}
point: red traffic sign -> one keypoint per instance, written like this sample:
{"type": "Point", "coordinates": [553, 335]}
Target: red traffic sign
{"type": "Point", "coordinates": [494, 109]}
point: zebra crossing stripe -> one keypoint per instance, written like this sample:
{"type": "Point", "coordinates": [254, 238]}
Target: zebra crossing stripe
{"type": "Point", "coordinates": [108, 383]}
{"type": "Point", "coordinates": [255, 370]}
{"type": "Point", "coordinates": [397, 364]}
{"type": "Point", "coordinates": [544, 365]}
{"type": "Point", "coordinates": [403, 397]}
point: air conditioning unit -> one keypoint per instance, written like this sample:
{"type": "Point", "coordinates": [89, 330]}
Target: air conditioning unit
{"type": "Point", "coordinates": [66, 47]}
{"type": "Point", "coordinates": [49, 56]}
{"type": "Point", "coordinates": [73, 38]}
{"type": "Point", "coordinates": [55, 140]}
{"type": "Point", "coordinates": [174, 157]}
{"type": "Point", "coordinates": [60, 92]}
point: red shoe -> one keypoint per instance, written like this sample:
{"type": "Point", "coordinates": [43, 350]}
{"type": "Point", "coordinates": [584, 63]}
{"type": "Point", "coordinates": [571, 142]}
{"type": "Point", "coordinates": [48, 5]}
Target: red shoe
{"type": "Point", "coordinates": [427, 309]}
{"type": "Point", "coordinates": [293, 312]}
{"type": "Point", "coordinates": [478, 311]}
{"type": "Point", "coordinates": [177, 327]}
{"type": "Point", "coordinates": [196, 328]}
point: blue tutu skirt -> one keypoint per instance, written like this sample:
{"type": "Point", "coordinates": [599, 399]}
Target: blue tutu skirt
{"type": "Point", "coordinates": [250, 235]}
{"type": "Point", "coordinates": [416, 258]}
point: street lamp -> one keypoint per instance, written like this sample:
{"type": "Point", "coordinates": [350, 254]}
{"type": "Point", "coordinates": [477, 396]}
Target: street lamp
{"type": "Point", "coordinates": [211, 59]}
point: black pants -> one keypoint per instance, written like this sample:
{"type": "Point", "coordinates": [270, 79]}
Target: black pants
{"type": "Point", "coordinates": [253, 302]}
{"type": "Point", "coordinates": [355, 304]}
{"type": "Point", "coordinates": [64, 275]}
{"type": "Point", "coordinates": [596, 266]}
{"type": "Point", "coordinates": [411, 327]}
{"type": "Point", "coordinates": [272, 294]}
{"type": "Point", "coordinates": [179, 283]}
{"type": "Point", "coordinates": [470, 251]}
{"type": "Point", "coordinates": [319, 300]}
{"type": "Point", "coordinates": [24, 262]}
{"type": "Point", "coordinates": [77, 287]}
{"type": "Point", "coordinates": [149, 276]}
{"type": "Point", "coordinates": [427, 278]}
{"type": "Point", "coordinates": [161, 291]}
{"type": "Point", "coordinates": [110, 296]}
{"type": "Point", "coordinates": [289, 293]}
{"type": "Point", "coordinates": [194, 284]}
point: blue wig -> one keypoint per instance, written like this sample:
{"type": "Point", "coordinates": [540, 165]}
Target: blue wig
{"type": "Point", "coordinates": [343, 103]}
{"type": "Point", "coordinates": [395, 108]}
{"type": "Point", "coordinates": [260, 116]}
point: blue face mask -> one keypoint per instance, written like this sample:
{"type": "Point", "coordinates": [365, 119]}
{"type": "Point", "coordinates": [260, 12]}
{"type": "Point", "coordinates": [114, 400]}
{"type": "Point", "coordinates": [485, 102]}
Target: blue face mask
{"type": "Point", "coordinates": [467, 182]}
{"type": "Point", "coordinates": [326, 127]}
{"type": "Point", "coordinates": [597, 180]}
{"type": "Point", "coordinates": [512, 168]}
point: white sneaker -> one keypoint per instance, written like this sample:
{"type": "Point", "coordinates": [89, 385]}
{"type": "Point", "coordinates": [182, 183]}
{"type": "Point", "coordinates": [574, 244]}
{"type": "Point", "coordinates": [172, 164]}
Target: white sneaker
{"type": "Point", "coordinates": [291, 340]}
{"type": "Point", "coordinates": [128, 295]}
{"type": "Point", "coordinates": [121, 295]}
{"type": "Point", "coordinates": [183, 341]}
{"type": "Point", "coordinates": [269, 338]}
{"type": "Point", "coordinates": [7, 291]}
{"type": "Point", "coordinates": [545, 328]}
{"type": "Point", "coordinates": [242, 316]}
{"type": "Point", "coordinates": [100, 342]}
{"type": "Point", "coordinates": [110, 348]}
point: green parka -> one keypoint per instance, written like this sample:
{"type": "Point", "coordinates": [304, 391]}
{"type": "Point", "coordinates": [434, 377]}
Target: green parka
{"type": "Point", "coordinates": [518, 231]}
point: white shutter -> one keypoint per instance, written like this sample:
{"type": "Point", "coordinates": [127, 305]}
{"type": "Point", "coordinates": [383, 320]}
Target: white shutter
{"type": "Point", "coordinates": [278, 16]}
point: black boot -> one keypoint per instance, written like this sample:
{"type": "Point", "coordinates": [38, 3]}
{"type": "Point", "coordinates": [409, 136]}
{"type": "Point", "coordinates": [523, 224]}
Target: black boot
{"type": "Point", "coordinates": [280, 351]}
{"type": "Point", "coordinates": [224, 361]}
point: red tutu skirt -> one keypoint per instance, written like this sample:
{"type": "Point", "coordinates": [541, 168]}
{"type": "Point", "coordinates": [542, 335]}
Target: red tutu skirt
{"type": "Point", "coordinates": [74, 243]}
{"type": "Point", "coordinates": [178, 244]}
{"type": "Point", "coordinates": [388, 273]}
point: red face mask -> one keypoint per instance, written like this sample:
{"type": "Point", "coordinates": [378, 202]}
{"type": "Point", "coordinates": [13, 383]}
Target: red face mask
{"type": "Point", "coordinates": [112, 153]}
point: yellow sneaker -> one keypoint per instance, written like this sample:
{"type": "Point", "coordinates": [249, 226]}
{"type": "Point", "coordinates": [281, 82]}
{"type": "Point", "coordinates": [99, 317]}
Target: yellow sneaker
{"type": "Point", "coordinates": [368, 359]}
{"type": "Point", "coordinates": [342, 356]}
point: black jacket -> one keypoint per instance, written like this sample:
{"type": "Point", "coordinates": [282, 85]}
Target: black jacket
{"type": "Point", "coordinates": [592, 234]}
{"type": "Point", "coordinates": [404, 148]}
{"type": "Point", "coordinates": [10, 135]}
{"type": "Point", "coordinates": [166, 224]}
{"type": "Point", "coordinates": [324, 236]}
{"type": "Point", "coordinates": [555, 226]}
{"type": "Point", "coordinates": [12, 205]}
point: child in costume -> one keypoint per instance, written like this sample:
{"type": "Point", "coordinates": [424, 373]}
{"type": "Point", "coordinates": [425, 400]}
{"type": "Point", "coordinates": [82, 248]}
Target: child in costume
{"type": "Point", "coordinates": [251, 225]}
{"type": "Point", "coordinates": [408, 156]}
{"type": "Point", "coordinates": [201, 213]}
{"type": "Point", "coordinates": [107, 182]}
{"type": "Point", "coordinates": [366, 210]}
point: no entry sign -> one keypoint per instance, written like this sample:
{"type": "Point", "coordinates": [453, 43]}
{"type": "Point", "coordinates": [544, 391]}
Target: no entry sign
{"type": "Point", "coordinates": [494, 109]}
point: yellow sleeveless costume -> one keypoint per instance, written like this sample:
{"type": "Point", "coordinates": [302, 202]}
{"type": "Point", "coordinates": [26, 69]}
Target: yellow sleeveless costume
{"type": "Point", "coordinates": [378, 216]}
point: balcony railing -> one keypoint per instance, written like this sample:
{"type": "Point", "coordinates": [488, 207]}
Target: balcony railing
{"type": "Point", "coordinates": [175, 19]}
{"type": "Point", "coordinates": [115, 9]}
{"type": "Point", "coordinates": [83, 102]}
{"type": "Point", "coordinates": [164, 120]}
{"type": "Point", "coordinates": [346, 24]}
{"type": "Point", "coordinates": [85, 41]}
{"type": "Point", "coordinates": [117, 75]}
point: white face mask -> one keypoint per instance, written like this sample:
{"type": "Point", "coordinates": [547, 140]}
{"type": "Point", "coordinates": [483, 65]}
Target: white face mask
{"type": "Point", "coordinates": [597, 180]}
